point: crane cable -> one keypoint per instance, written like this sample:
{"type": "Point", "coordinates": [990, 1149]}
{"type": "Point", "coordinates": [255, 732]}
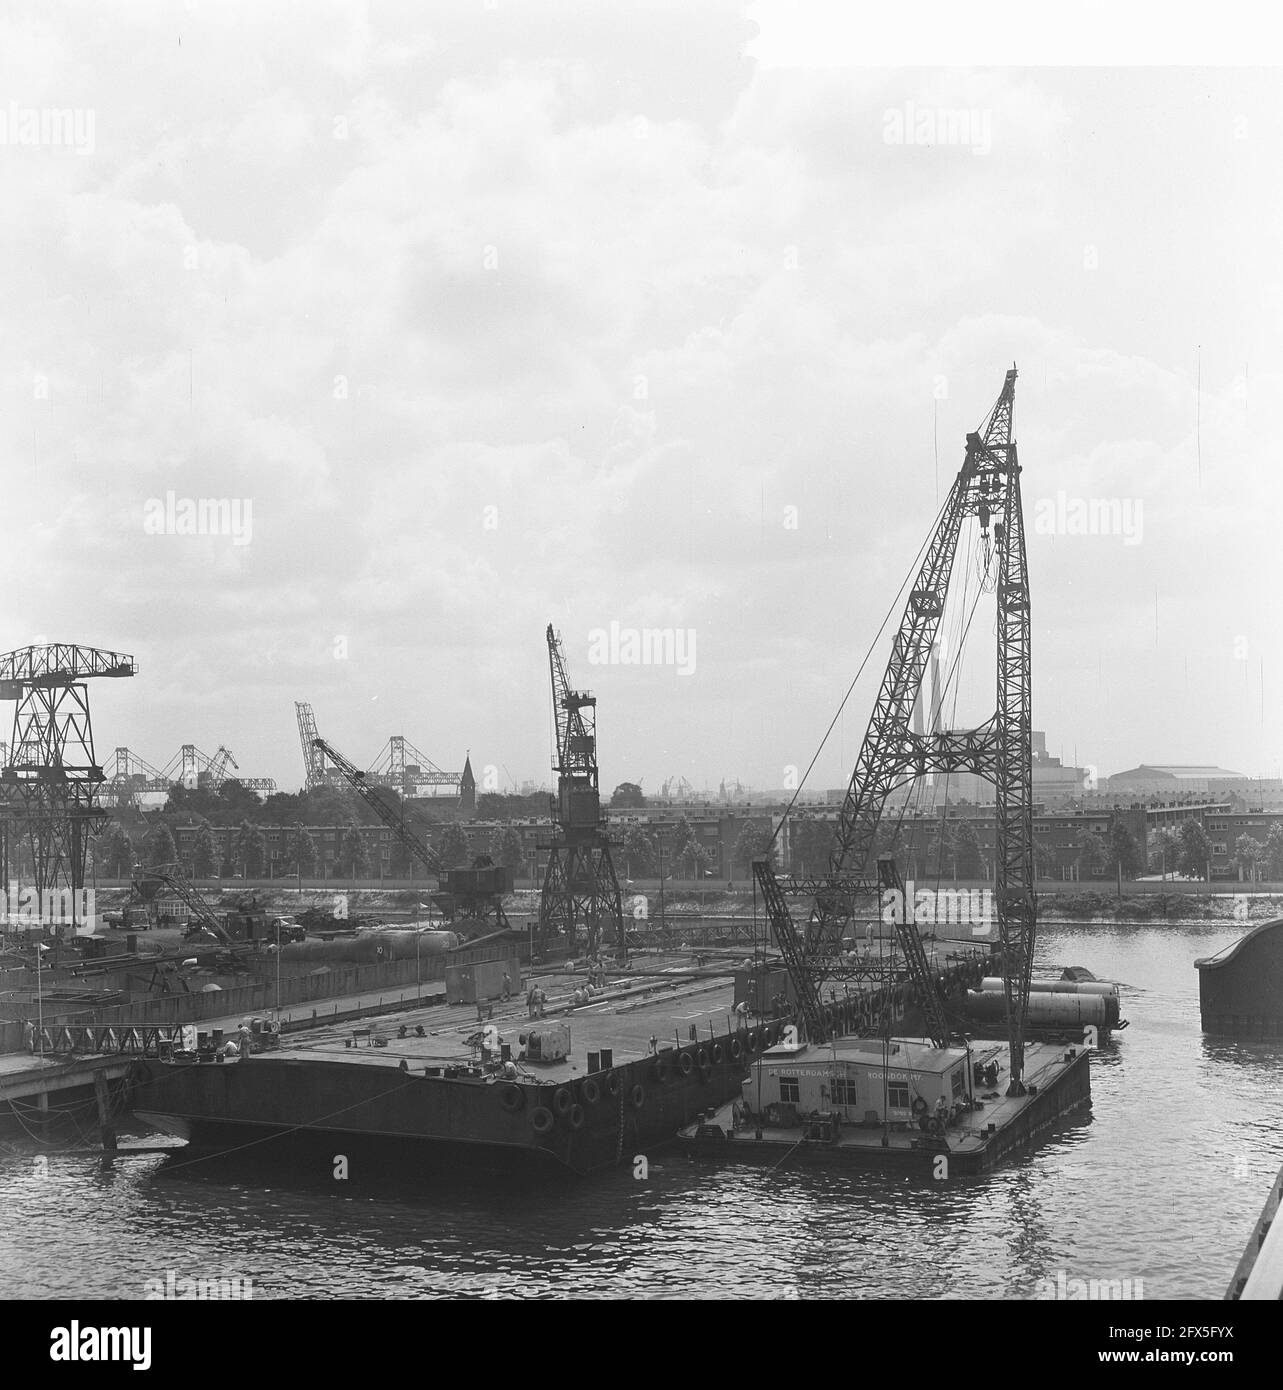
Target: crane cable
{"type": "Point", "coordinates": [913, 568]}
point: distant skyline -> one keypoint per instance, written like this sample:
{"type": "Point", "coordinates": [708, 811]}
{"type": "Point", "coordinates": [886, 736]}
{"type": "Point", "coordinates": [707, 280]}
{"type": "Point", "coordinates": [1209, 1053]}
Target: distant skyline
{"type": "Point", "coordinates": [629, 318]}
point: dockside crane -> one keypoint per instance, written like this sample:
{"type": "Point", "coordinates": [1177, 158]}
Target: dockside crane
{"type": "Point", "coordinates": [391, 816]}
{"type": "Point", "coordinates": [146, 884]}
{"type": "Point", "coordinates": [478, 890]}
{"type": "Point", "coordinates": [580, 901]}
{"type": "Point", "coordinates": [893, 752]}
{"type": "Point", "coordinates": [316, 774]}
{"type": "Point", "coordinates": [52, 774]}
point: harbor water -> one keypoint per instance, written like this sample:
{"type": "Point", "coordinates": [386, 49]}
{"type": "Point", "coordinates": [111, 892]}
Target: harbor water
{"type": "Point", "coordinates": [1159, 1186]}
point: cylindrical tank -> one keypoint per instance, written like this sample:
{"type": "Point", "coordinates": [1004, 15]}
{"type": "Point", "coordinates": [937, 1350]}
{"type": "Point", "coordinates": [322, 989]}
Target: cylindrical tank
{"type": "Point", "coordinates": [371, 948]}
{"type": "Point", "coordinates": [992, 982]}
{"type": "Point", "coordinates": [1082, 989]}
{"type": "Point", "coordinates": [1047, 1010]}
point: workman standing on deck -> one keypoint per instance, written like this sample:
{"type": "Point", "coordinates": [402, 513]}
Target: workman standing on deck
{"type": "Point", "coordinates": [507, 987]}
{"type": "Point", "coordinates": [942, 1112]}
{"type": "Point", "coordinates": [242, 1038]}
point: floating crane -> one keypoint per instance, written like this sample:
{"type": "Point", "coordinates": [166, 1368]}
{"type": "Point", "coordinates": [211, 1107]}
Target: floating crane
{"type": "Point", "coordinates": [580, 899]}
{"type": "Point", "coordinates": [894, 751]}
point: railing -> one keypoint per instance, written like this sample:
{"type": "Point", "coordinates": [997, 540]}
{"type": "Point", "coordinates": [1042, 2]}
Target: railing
{"type": "Point", "coordinates": [143, 1040]}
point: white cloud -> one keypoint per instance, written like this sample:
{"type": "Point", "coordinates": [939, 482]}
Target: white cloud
{"type": "Point", "coordinates": [714, 294]}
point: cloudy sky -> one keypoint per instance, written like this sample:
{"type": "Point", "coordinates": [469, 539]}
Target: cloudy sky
{"type": "Point", "coordinates": [475, 316]}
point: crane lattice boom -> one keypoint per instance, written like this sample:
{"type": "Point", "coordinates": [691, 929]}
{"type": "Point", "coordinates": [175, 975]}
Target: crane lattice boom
{"type": "Point", "coordinates": [391, 816]}
{"type": "Point", "coordinates": [988, 488]}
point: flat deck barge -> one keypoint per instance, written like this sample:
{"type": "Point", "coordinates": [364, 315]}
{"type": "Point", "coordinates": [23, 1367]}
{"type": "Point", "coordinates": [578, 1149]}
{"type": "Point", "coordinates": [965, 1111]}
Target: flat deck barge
{"type": "Point", "coordinates": [636, 1065]}
{"type": "Point", "coordinates": [954, 1106]}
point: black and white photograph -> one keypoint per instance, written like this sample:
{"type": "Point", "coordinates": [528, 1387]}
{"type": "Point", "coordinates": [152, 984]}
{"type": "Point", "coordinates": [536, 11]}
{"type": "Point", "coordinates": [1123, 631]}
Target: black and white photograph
{"type": "Point", "coordinates": [640, 660]}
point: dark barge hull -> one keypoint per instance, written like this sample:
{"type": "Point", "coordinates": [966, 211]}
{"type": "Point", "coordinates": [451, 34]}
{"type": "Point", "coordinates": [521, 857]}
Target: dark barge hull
{"type": "Point", "coordinates": [1240, 989]}
{"type": "Point", "coordinates": [579, 1125]}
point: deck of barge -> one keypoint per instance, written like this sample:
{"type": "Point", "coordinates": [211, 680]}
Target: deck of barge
{"type": "Point", "coordinates": [980, 1140]}
{"type": "Point", "coordinates": [620, 1019]}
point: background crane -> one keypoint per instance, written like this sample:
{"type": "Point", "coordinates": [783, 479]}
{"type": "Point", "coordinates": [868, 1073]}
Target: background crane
{"type": "Point", "coordinates": [894, 751]}
{"type": "Point", "coordinates": [580, 901]}
{"type": "Point", "coordinates": [316, 774]}
{"type": "Point", "coordinates": [477, 892]}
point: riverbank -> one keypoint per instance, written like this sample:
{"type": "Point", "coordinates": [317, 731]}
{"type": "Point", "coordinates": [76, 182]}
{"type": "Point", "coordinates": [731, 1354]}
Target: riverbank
{"type": "Point", "coordinates": [1144, 901]}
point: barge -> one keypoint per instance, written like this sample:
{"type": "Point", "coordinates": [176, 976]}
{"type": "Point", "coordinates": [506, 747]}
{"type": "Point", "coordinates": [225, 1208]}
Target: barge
{"type": "Point", "coordinates": [591, 1088]}
{"type": "Point", "coordinates": [1240, 988]}
{"type": "Point", "coordinates": [892, 1103]}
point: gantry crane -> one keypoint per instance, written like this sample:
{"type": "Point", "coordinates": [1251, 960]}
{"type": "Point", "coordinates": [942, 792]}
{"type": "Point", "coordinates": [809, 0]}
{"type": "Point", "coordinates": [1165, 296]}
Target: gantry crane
{"type": "Point", "coordinates": [988, 488]}
{"type": "Point", "coordinates": [401, 765]}
{"type": "Point", "coordinates": [52, 766]}
{"type": "Point", "coordinates": [477, 891]}
{"type": "Point", "coordinates": [192, 768]}
{"type": "Point", "coordinates": [580, 901]}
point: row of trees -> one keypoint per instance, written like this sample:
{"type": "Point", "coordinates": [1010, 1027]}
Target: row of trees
{"type": "Point", "coordinates": [682, 854]}
{"type": "Point", "coordinates": [115, 850]}
{"type": "Point", "coordinates": [954, 849]}
{"type": "Point", "coordinates": [1188, 850]}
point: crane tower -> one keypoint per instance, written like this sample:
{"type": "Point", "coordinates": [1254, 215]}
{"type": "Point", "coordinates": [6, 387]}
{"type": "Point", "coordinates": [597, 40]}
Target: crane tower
{"type": "Point", "coordinates": [895, 751]}
{"type": "Point", "coordinates": [52, 766]}
{"type": "Point", "coordinates": [580, 902]}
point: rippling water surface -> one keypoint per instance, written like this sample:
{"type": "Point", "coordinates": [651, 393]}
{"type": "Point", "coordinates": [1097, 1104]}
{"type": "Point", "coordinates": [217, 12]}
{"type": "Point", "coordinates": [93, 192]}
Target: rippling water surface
{"type": "Point", "coordinates": [1162, 1183]}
